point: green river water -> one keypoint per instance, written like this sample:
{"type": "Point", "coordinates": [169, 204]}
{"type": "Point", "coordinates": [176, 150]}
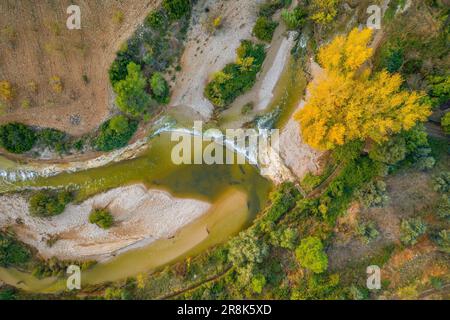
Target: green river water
{"type": "Point", "coordinates": [237, 194]}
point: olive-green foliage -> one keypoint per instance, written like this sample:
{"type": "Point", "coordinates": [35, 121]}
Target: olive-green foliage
{"type": "Point", "coordinates": [393, 59]}
{"type": "Point", "coordinates": [445, 123]}
{"type": "Point", "coordinates": [443, 207]}
{"type": "Point", "coordinates": [373, 194]}
{"type": "Point", "coordinates": [47, 203]}
{"type": "Point", "coordinates": [176, 9]}
{"type": "Point", "coordinates": [318, 287]}
{"type": "Point", "coordinates": [264, 28]}
{"type": "Point", "coordinates": [57, 268]}
{"type": "Point", "coordinates": [348, 152]}
{"type": "Point", "coordinates": [390, 152]}
{"type": "Point", "coordinates": [439, 89]}
{"type": "Point", "coordinates": [442, 239]}
{"type": "Point", "coordinates": [160, 88]}
{"type": "Point", "coordinates": [311, 255]}
{"type": "Point", "coordinates": [294, 19]}
{"type": "Point", "coordinates": [156, 20]}
{"type": "Point", "coordinates": [102, 218]}
{"type": "Point", "coordinates": [132, 97]}
{"type": "Point", "coordinates": [339, 193]}
{"type": "Point", "coordinates": [118, 70]}
{"type": "Point", "coordinates": [269, 8]}
{"type": "Point", "coordinates": [442, 182]}
{"type": "Point", "coordinates": [17, 137]}
{"type": "Point", "coordinates": [284, 238]}
{"type": "Point", "coordinates": [115, 133]}
{"type": "Point", "coordinates": [54, 140]}
{"type": "Point", "coordinates": [367, 231]}
{"type": "Point", "coordinates": [408, 147]}
{"type": "Point", "coordinates": [246, 251]}
{"type": "Point", "coordinates": [282, 200]}
{"type": "Point", "coordinates": [12, 252]}
{"type": "Point", "coordinates": [236, 78]}
{"type": "Point", "coordinates": [7, 294]}
{"type": "Point", "coordinates": [258, 283]}
{"type": "Point", "coordinates": [411, 230]}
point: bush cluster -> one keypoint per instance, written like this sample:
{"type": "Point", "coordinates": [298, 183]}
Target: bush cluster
{"type": "Point", "coordinates": [236, 78]}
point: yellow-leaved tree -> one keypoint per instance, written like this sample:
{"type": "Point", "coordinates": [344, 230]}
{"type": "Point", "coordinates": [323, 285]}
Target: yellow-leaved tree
{"type": "Point", "coordinates": [350, 103]}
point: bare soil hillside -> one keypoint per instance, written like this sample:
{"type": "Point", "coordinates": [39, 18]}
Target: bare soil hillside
{"type": "Point", "coordinates": [59, 76]}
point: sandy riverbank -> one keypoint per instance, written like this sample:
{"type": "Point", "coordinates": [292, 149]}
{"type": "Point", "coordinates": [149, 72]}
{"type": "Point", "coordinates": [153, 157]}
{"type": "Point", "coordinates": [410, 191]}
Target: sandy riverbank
{"type": "Point", "coordinates": [207, 53]}
{"type": "Point", "coordinates": [141, 217]}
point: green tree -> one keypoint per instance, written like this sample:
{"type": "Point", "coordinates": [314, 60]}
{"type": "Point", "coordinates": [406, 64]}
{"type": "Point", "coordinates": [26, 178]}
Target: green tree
{"type": "Point", "coordinates": [264, 29]}
{"type": "Point", "coordinates": [258, 283]}
{"type": "Point", "coordinates": [12, 252]}
{"type": "Point", "coordinates": [176, 9]}
{"type": "Point", "coordinates": [160, 88]}
{"type": "Point", "coordinates": [311, 255]}
{"type": "Point", "coordinates": [102, 218]}
{"type": "Point", "coordinates": [294, 19]}
{"type": "Point", "coordinates": [47, 203]}
{"type": "Point", "coordinates": [131, 95]}
{"type": "Point", "coordinates": [17, 137]}
{"type": "Point", "coordinates": [390, 152]}
{"type": "Point", "coordinates": [443, 208]}
{"type": "Point", "coordinates": [445, 123]}
{"type": "Point", "coordinates": [115, 133]}
{"type": "Point", "coordinates": [411, 230]}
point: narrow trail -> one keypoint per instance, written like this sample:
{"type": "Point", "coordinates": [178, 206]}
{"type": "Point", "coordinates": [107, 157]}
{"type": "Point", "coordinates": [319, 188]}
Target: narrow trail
{"type": "Point", "coordinates": [195, 286]}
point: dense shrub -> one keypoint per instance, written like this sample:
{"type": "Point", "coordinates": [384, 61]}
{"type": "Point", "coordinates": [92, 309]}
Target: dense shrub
{"type": "Point", "coordinates": [54, 267]}
{"type": "Point", "coordinates": [445, 123]}
{"type": "Point", "coordinates": [269, 8]}
{"type": "Point", "coordinates": [443, 208]}
{"type": "Point", "coordinates": [390, 152]}
{"type": "Point", "coordinates": [442, 239]}
{"type": "Point", "coordinates": [54, 140]}
{"type": "Point", "coordinates": [282, 200]}
{"type": "Point", "coordinates": [236, 78]}
{"type": "Point", "coordinates": [439, 89]}
{"type": "Point", "coordinates": [323, 11]}
{"type": "Point", "coordinates": [115, 133]}
{"type": "Point", "coordinates": [264, 29]}
{"type": "Point", "coordinates": [118, 70]}
{"type": "Point", "coordinates": [392, 59]}
{"type": "Point", "coordinates": [442, 182]}
{"type": "Point", "coordinates": [102, 218]}
{"type": "Point", "coordinates": [246, 251]}
{"type": "Point", "coordinates": [411, 230]}
{"type": "Point", "coordinates": [367, 231]}
{"type": "Point", "coordinates": [132, 97]}
{"type": "Point", "coordinates": [318, 287]}
{"type": "Point", "coordinates": [17, 137]}
{"type": "Point", "coordinates": [160, 88]}
{"type": "Point", "coordinates": [156, 20]}
{"type": "Point", "coordinates": [12, 252]}
{"type": "Point", "coordinates": [47, 203]}
{"type": "Point", "coordinates": [294, 19]}
{"type": "Point", "coordinates": [176, 9]}
{"type": "Point", "coordinates": [311, 255]}
{"type": "Point", "coordinates": [373, 194]}
{"type": "Point", "coordinates": [410, 146]}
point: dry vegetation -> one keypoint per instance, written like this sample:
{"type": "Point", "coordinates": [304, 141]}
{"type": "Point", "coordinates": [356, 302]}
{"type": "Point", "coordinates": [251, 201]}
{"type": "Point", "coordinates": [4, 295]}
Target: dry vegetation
{"type": "Point", "coordinates": [58, 76]}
